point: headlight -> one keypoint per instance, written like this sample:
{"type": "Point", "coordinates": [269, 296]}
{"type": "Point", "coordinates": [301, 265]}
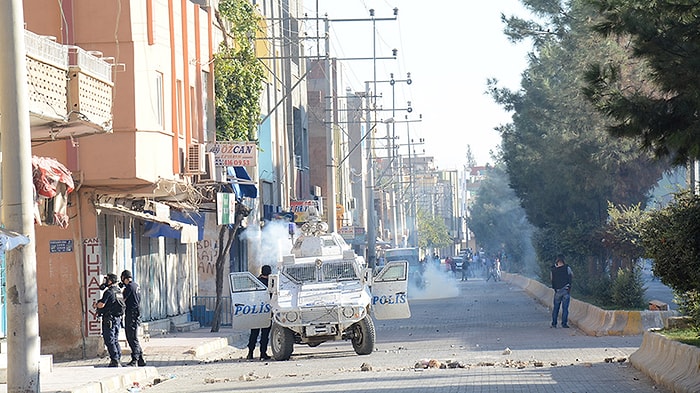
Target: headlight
{"type": "Point", "coordinates": [292, 316]}
{"type": "Point", "coordinates": [348, 312]}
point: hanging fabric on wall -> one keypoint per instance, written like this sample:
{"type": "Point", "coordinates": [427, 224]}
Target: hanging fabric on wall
{"type": "Point", "coordinates": [52, 183]}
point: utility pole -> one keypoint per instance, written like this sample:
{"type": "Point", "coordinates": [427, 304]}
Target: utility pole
{"type": "Point", "coordinates": [330, 154]}
{"type": "Point", "coordinates": [371, 106]}
{"type": "Point", "coordinates": [371, 213]}
{"type": "Point", "coordinates": [17, 202]}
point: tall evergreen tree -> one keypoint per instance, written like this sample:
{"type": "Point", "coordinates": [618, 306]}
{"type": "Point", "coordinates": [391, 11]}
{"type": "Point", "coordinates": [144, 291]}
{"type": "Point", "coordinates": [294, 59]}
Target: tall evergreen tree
{"type": "Point", "coordinates": [659, 106]}
{"type": "Point", "coordinates": [499, 222]}
{"type": "Point", "coordinates": [561, 162]}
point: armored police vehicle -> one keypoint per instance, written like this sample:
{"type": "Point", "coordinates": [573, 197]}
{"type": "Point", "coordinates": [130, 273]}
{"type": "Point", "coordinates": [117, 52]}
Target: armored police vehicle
{"type": "Point", "coordinates": [322, 292]}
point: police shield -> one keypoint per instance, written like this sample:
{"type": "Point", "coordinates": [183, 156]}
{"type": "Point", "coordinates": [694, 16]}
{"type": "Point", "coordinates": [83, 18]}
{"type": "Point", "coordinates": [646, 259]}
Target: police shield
{"type": "Point", "coordinates": [390, 292]}
{"type": "Point", "coordinates": [250, 302]}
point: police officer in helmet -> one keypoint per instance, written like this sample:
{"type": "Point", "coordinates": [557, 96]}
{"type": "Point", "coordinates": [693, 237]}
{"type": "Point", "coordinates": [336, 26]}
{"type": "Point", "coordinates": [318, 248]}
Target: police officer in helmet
{"type": "Point", "coordinates": [132, 317]}
{"type": "Point", "coordinates": [109, 309]}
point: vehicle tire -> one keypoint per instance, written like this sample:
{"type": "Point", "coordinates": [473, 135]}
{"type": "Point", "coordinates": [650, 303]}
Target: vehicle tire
{"type": "Point", "coordinates": [282, 342]}
{"type": "Point", "coordinates": [363, 336]}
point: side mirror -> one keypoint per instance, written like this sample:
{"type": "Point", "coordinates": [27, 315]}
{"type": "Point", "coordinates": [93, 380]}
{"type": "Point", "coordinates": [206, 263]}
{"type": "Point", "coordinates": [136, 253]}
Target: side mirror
{"type": "Point", "coordinates": [273, 284]}
{"type": "Point", "coordinates": [367, 276]}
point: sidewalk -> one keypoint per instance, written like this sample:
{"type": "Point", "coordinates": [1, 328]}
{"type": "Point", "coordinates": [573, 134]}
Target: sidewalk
{"type": "Point", "coordinates": [93, 375]}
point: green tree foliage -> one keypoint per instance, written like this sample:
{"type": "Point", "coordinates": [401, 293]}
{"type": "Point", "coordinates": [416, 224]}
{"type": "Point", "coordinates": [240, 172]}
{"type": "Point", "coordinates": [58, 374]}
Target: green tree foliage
{"type": "Point", "coordinates": [621, 236]}
{"type": "Point", "coordinates": [499, 222]}
{"type": "Point", "coordinates": [238, 74]}
{"type": "Point", "coordinates": [671, 236]}
{"type": "Point", "coordinates": [238, 77]}
{"type": "Point", "coordinates": [561, 162]}
{"type": "Point", "coordinates": [432, 232]}
{"type": "Point", "coordinates": [628, 289]}
{"type": "Point", "coordinates": [658, 106]}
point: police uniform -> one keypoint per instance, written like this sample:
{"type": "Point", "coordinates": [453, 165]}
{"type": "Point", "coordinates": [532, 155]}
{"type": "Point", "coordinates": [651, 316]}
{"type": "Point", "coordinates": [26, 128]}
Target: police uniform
{"type": "Point", "coordinates": [110, 324]}
{"type": "Point", "coordinates": [132, 318]}
{"type": "Point", "coordinates": [264, 333]}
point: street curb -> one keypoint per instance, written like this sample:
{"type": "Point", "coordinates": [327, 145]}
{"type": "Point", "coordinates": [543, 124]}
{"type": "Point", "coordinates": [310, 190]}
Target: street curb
{"type": "Point", "coordinates": [100, 383]}
{"type": "Point", "coordinates": [669, 363]}
{"type": "Point", "coordinates": [211, 346]}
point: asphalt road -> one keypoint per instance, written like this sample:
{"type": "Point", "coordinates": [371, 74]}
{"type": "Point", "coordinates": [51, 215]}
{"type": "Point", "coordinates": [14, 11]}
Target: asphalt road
{"type": "Point", "coordinates": [497, 338]}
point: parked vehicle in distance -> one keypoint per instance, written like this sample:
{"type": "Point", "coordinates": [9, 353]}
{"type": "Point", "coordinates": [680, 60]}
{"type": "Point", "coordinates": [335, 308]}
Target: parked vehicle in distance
{"type": "Point", "coordinates": [412, 256]}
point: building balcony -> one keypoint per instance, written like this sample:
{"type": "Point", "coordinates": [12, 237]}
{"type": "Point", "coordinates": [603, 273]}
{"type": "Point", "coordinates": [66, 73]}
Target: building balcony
{"type": "Point", "coordinates": [70, 90]}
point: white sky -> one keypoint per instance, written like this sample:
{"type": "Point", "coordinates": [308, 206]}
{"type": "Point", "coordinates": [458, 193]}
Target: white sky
{"type": "Point", "coordinates": [450, 48]}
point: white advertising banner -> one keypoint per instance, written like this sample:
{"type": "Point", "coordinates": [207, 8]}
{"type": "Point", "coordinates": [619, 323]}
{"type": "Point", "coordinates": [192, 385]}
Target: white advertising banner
{"type": "Point", "coordinates": [234, 153]}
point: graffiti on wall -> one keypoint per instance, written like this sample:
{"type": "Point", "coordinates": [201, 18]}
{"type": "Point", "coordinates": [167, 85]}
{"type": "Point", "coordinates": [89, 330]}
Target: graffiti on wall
{"type": "Point", "coordinates": [207, 252]}
{"type": "Point", "coordinates": [93, 278]}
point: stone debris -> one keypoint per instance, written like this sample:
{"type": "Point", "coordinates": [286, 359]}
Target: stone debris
{"type": "Point", "coordinates": [507, 351]}
{"type": "Point", "coordinates": [425, 364]}
{"type": "Point", "coordinates": [613, 360]}
{"type": "Point", "coordinates": [365, 367]}
{"type": "Point", "coordinates": [455, 364]}
{"type": "Point", "coordinates": [251, 376]}
{"type": "Point", "coordinates": [434, 363]}
{"type": "Point", "coordinates": [428, 363]}
{"type": "Point", "coordinates": [216, 380]}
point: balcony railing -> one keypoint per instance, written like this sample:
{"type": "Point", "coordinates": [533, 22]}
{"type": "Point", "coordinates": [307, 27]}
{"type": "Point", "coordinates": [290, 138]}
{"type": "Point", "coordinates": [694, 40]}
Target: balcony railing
{"type": "Point", "coordinates": [70, 90]}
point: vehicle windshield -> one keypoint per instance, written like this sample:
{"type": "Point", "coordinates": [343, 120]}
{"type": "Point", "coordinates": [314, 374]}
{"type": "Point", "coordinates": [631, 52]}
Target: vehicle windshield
{"type": "Point", "coordinates": [330, 271]}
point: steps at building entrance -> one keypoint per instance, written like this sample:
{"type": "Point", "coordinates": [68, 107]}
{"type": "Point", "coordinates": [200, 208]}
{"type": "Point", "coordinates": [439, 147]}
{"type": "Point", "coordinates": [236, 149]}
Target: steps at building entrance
{"type": "Point", "coordinates": [45, 365]}
{"type": "Point", "coordinates": [186, 326]}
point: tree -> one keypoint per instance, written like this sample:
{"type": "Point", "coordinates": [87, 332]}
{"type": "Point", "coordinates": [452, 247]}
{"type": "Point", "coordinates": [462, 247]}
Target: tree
{"type": "Point", "coordinates": [238, 74]}
{"type": "Point", "coordinates": [499, 222]}
{"type": "Point", "coordinates": [432, 232]}
{"type": "Point", "coordinates": [658, 106]}
{"type": "Point", "coordinates": [561, 162]}
{"type": "Point", "coordinates": [671, 237]}
{"type": "Point", "coordinates": [228, 232]}
{"type": "Point", "coordinates": [238, 77]}
{"type": "Point", "coordinates": [471, 161]}
{"type": "Point", "coordinates": [621, 236]}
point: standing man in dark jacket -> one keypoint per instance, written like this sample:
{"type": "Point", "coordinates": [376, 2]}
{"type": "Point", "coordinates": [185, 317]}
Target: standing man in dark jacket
{"type": "Point", "coordinates": [561, 283]}
{"type": "Point", "coordinates": [109, 309]}
{"type": "Point", "coordinates": [264, 332]}
{"type": "Point", "coordinates": [132, 318]}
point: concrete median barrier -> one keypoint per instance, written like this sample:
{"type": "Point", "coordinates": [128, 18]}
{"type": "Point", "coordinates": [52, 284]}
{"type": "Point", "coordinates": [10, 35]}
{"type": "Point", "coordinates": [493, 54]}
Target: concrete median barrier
{"type": "Point", "coordinates": [593, 320]}
{"type": "Point", "coordinates": [671, 364]}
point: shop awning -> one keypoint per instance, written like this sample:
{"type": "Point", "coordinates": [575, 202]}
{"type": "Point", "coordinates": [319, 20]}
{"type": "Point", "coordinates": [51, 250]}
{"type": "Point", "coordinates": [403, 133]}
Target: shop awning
{"type": "Point", "coordinates": [187, 233]}
{"type": "Point", "coordinates": [154, 229]}
{"type": "Point", "coordinates": [242, 184]}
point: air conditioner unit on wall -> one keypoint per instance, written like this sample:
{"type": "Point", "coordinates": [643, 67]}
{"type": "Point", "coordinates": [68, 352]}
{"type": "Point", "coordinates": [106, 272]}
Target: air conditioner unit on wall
{"type": "Point", "coordinates": [212, 173]}
{"type": "Point", "coordinates": [195, 159]}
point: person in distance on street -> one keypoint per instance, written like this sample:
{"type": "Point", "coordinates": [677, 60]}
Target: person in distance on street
{"type": "Point", "coordinates": [264, 332]}
{"type": "Point", "coordinates": [132, 317]}
{"type": "Point", "coordinates": [110, 310]}
{"type": "Point", "coordinates": [561, 275]}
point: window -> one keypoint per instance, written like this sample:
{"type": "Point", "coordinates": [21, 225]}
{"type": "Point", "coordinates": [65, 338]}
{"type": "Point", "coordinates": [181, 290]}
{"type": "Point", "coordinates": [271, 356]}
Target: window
{"type": "Point", "coordinates": [180, 112]}
{"type": "Point", "coordinates": [158, 109]}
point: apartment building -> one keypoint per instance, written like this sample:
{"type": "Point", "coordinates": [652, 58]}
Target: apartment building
{"type": "Point", "coordinates": [134, 204]}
